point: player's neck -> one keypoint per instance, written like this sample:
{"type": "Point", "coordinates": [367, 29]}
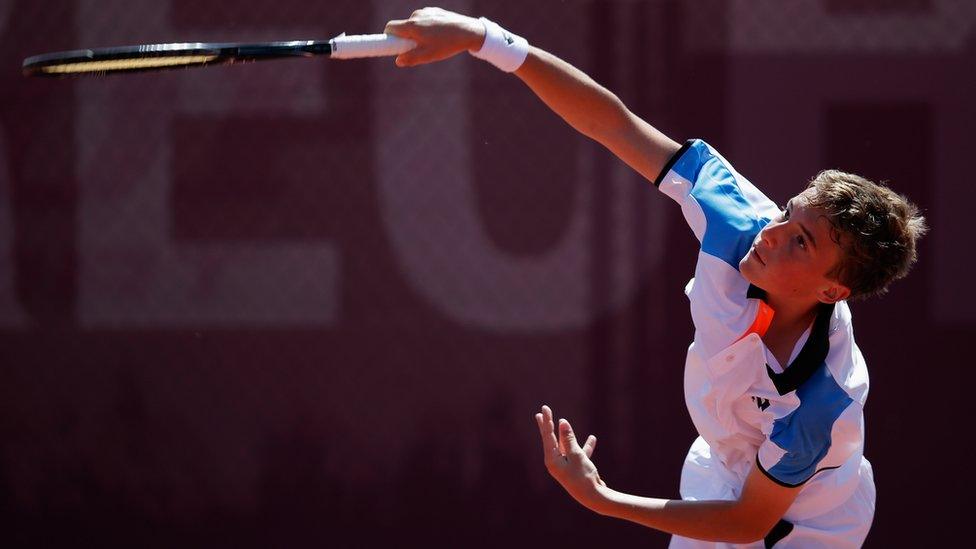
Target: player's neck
{"type": "Point", "coordinates": [792, 313]}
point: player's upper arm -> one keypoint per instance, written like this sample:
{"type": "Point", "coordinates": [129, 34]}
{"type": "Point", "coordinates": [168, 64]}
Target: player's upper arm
{"type": "Point", "coordinates": [763, 503]}
{"type": "Point", "coordinates": [640, 145]}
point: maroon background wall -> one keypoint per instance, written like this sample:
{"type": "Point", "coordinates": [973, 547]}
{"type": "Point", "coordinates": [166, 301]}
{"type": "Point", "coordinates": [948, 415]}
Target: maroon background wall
{"type": "Point", "coordinates": [317, 303]}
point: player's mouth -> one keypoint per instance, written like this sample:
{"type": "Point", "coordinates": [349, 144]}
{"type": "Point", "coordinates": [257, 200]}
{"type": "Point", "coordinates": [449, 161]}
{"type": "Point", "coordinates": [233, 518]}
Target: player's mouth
{"type": "Point", "coordinates": [755, 252]}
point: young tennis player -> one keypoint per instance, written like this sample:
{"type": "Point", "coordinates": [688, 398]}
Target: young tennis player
{"type": "Point", "coordinates": [773, 380]}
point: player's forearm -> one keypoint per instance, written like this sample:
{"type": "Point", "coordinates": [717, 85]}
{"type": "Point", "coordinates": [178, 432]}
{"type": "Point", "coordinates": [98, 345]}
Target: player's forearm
{"type": "Point", "coordinates": [584, 104]}
{"type": "Point", "coordinates": [704, 520]}
{"type": "Point", "coordinates": [596, 112]}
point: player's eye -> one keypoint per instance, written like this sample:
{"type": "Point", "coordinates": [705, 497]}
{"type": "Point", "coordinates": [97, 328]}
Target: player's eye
{"type": "Point", "coordinates": [801, 241]}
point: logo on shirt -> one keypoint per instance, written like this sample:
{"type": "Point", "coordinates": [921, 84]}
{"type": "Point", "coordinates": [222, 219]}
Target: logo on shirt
{"type": "Point", "coordinates": [509, 39]}
{"type": "Point", "coordinates": [762, 403]}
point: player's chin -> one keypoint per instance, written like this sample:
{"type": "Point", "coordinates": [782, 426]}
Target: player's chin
{"type": "Point", "coordinates": [746, 265]}
{"type": "Point", "coordinates": [751, 270]}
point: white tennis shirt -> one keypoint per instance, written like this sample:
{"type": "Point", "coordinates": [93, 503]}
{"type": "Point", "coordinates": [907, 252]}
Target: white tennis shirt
{"type": "Point", "coordinates": [803, 424]}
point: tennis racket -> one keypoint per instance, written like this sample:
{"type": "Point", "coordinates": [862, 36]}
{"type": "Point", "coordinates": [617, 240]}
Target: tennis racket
{"type": "Point", "coordinates": [153, 57]}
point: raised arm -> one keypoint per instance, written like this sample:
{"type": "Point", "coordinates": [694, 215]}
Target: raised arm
{"type": "Point", "coordinates": [585, 105]}
{"type": "Point", "coordinates": [596, 112]}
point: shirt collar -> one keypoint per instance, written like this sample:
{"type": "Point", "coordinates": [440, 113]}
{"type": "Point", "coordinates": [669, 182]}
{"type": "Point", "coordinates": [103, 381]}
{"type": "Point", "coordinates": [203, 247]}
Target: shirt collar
{"type": "Point", "coordinates": [811, 356]}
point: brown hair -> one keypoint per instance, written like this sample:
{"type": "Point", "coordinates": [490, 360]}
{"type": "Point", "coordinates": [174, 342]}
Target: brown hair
{"type": "Point", "coordinates": [876, 228]}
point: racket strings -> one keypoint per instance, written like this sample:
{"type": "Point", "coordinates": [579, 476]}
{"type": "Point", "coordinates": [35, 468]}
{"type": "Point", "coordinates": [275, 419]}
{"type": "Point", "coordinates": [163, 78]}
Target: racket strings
{"type": "Point", "coordinates": [134, 63]}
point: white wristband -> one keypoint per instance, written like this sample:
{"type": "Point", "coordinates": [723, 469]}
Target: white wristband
{"type": "Point", "coordinates": [503, 49]}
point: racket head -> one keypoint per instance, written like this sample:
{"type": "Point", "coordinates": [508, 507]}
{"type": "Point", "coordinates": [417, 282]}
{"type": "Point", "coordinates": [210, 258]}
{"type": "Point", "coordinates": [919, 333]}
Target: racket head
{"type": "Point", "coordinates": [155, 57]}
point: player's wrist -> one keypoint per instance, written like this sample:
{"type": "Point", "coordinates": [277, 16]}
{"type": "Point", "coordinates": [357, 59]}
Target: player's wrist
{"type": "Point", "coordinates": [475, 32]}
{"type": "Point", "coordinates": [501, 48]}
{"type": "Point", "coordinates": [599, 499]}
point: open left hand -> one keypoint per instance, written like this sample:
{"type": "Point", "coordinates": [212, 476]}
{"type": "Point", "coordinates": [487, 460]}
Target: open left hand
{"type": "Point", "coordinates": [567, 461]}
{"type": "Point", "coordinates": [439, 34]}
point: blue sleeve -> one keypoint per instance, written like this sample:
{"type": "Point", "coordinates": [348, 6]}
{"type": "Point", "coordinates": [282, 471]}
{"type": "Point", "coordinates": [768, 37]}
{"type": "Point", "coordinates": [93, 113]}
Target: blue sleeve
{"type": "Point", "coordinates": [722, 208]}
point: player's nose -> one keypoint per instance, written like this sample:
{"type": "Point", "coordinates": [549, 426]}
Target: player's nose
{"type": "Point", "coordinates": [768, 236]}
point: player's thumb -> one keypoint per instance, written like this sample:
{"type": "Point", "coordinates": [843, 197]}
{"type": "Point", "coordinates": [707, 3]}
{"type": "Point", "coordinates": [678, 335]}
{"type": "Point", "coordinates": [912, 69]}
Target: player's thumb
{"type": "Point", "coordinates": [567, 438]}
{"type": "Point", "coordinates": [413, 57]}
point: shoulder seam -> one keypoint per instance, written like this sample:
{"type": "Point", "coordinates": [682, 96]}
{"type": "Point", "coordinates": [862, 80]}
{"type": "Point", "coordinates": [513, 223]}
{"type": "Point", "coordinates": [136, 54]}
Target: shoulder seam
{"type": "Point", "coordinates": [671, 162]}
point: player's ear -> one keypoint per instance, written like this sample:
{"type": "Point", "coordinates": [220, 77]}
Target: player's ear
{"type": "Point", "coordinates": [834, 293]}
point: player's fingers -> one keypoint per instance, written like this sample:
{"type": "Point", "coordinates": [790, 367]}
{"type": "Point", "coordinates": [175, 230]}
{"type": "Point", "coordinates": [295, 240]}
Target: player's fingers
{"type": "Point", "coordinates": [416, 56]}
{"type": "Point", "coordinates": [547, 412]}
{"type": "Point", "coordinates": [551, 428]}
{"type": "Point", "coordinates": [567, 438]}
{"type": "Point", "coordinates": [400, 27]}
{"type": "Point", "coordinates": [547, 449]}
{"type": "Point", "coordinates": [550, 446]}
{"type": "Point", "coordinates": [589, 446]}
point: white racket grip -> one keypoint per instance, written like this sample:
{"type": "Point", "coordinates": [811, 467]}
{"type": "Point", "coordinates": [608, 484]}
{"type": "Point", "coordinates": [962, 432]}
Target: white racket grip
{"type": "Point", "coordinates": [369, 45]}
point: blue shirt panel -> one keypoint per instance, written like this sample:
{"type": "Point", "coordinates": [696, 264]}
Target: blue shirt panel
{"type": "Point", "coordinates": [805, 432]}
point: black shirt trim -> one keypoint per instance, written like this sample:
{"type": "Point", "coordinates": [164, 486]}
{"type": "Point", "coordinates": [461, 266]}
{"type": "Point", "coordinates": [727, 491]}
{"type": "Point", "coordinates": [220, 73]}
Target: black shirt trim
{"type": "Point", "coordinates": [811, 356]}
{"type": "Point", "coordinates": [787, 484]}
{"type": "Point", "coordinates": [780, 531]}
{"type": "Point", "coordinates": [671, 161]}
{"type": "Point", "coordinates": [776, 480]}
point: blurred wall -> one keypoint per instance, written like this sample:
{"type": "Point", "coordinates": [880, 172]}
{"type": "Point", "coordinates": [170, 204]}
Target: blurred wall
{"type": "Point", "coordinates": [314, 303]}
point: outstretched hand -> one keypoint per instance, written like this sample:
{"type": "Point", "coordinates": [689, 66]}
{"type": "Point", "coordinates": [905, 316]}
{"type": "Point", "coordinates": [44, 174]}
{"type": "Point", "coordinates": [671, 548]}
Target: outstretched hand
{"type": "Point", "coordinates": [567, 461]}
{"type": "Point", "coordinates": [439, 34]}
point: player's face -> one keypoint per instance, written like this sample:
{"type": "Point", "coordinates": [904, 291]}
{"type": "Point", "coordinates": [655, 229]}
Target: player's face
{"type": "Point", "coordinates": [792, 255]}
